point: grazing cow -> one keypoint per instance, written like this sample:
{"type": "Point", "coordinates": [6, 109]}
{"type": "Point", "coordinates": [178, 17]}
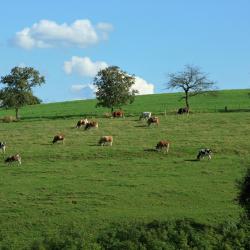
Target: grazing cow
{"type": "Point", "coordinates": [106, 140]}
{"type": "Point", "coordinates": [58, 138]}
{"type": "Point", "coordinates": [3, 146]}
{"type": "Point", "coordinates": [163, 145]}
{"type": "Point", "coordinates": [81, 123]}
{"type": "Point", "coordinates": [145, 115]}
{"type": "Point", "coordinates": [91, 124]}
{"type": "Point", "coordinates": [154, 120]}
{"type": "Point", "coordinates": [13, 158]}
{"type": "Point", "coordinates": [204, 152]}
{"type": "Point", "coordinates": [118, 114]}
{"type": "Point", "coordinates": [183, 111]}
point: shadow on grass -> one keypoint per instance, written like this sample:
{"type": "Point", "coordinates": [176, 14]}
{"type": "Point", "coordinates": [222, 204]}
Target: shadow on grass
{"type": "Point", "coordinates": [94, 145]}
{"type": "Point", "coordinates": [150, 150]}
{"type": "Point", "coordinates": [193, 160]}
{"type": "Point", "coordinates": [233, 110]}
{"type": "Point", "coordinates": [140, 126]}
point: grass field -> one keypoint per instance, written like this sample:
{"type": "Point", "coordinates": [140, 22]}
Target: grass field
{"type": "Point", "coordinates": [92, 186]}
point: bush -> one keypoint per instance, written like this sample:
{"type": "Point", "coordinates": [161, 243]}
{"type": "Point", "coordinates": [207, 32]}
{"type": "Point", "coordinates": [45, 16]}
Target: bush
{"type": "Point", "coordinates": [244, 195]}
{"type": "Point", "coordinates": [180, 234]}
{"type": "Point", "coordinates": [69, 237]}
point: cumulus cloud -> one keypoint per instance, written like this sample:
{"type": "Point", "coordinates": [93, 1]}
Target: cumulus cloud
{"type": "Point", "coordinates": [83, 66]}
{"type": "Point", "coordinates": [83, 91]}
{"type": "Point", "coordinates": [143, 86]}
{"type": "Point", "coordinates": [46, 33]}
{"type": "Point", "coordinates": [79, 87]}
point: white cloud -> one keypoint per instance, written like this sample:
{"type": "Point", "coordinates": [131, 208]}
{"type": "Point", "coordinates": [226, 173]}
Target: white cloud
{"type": "Point", "coordinates": [79, 87]}
{"type": "Point", "coordinates": [83, 66]}
{"type": "Point", "coordinates": [47, 33]}
{"type": "Point", "coordinates": [83, 91]}
{"type": "Point", "coordinates": [143, 86]}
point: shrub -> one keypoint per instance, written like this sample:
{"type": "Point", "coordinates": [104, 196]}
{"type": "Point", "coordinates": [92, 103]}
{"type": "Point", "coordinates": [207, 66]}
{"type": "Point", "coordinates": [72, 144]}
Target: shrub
{"type": "Point", "coordinates": [244, 195]}
{"type": "Point", "coordinates": [180, 234]}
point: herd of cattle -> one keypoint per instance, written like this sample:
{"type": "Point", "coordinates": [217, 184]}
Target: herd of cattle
{"type": "Point", "coordinates": [108, 140]}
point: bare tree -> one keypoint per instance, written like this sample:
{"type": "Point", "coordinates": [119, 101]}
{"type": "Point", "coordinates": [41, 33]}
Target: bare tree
{"type": "Point", "coordinates": [192, 81]}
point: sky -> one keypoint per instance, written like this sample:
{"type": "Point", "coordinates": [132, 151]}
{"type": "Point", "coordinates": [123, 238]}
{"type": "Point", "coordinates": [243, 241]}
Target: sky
{"type": "Point", "coordinates": [70, 41]}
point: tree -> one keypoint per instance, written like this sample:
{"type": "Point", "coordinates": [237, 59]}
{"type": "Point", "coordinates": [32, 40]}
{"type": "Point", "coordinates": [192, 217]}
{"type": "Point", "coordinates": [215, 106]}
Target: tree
{"type": "Point", "coordinates": [18, 90]}
{"type": "Point", "coordinates": [114, 87]}
{"type": "Point", "coordinates": [192, 81]}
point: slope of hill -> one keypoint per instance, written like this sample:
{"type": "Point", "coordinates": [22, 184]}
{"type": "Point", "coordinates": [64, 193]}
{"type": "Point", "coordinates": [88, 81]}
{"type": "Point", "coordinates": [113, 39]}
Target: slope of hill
{"type": "Point", "coordinates": [157, 103]}
{"type": "Point", "coordinates": [91, 186]}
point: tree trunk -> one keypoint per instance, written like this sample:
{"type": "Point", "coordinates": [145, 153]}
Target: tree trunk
{"type": "Point", "coordinates": [187, 99]}
{"type": "Point", "coordinates": [17, 113]}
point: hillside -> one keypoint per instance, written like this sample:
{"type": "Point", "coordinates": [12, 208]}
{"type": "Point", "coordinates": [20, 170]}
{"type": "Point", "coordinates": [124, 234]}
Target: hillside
{"type": "Point", "coordinates": [157, 103]}
{"type": "Point", "coordinates": [90, 186]}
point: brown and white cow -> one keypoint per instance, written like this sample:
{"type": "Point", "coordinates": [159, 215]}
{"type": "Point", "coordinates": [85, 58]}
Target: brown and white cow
{"type": "Point", "coordinates": [91, 124]}
{"type": "Point", "coordinates": [13, 158]}
{"type": "Point", "coordinates": [106, 140]}
{"type": "Point", "coordinates": [163, 145]}
{"type": "Point", "coordinates": [59, 137]}
{"type": "Point", "coordinates": [118, 114]}
{"type": "Point", "coordinates": [153, 120]}
{"type": "Point", "coordinates": [81, 123]}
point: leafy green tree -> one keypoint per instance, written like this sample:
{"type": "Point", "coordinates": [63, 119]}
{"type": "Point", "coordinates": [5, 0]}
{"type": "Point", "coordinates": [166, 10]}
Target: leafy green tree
{"type": "Point", "coordinates": [114, 87]}
{"type": "Point", "coordinates": [18, 88]}
{"type": "Point", "coordinates": [192, 81]}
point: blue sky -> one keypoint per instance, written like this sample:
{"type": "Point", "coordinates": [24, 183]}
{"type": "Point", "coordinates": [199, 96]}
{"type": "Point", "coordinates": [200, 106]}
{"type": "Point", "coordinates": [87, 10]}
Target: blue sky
{"type": "Point", "coordinates": [69, 41]}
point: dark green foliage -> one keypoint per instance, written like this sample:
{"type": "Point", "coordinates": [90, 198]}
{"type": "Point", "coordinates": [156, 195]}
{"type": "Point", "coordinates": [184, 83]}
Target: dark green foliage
{"type": "Point", "coordinates": [114, 87]}
{"type": "Point", "coordinates": [180, 234]}
{"type": "Point", "coordinates": [18, 90]}
{"type": "Point", "coordinates": [244, 196]}
{"type": "Point", "coordinates": [66, 238]}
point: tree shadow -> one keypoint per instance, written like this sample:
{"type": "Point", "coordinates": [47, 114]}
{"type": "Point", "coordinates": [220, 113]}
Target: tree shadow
{"type": "Point", "coordinates": [234, 110]}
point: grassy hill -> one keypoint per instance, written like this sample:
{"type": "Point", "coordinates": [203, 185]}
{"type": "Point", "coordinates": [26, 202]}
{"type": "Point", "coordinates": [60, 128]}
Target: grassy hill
{"type": "Point", "coordinates": [158, 103]}
{"type": "Point", "coordinates": [91, 186]}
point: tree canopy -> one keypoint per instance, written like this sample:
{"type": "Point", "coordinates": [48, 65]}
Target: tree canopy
{"type": "Point", "coordinates": [114, 87]}
{"type": "Point", "coordinates": [192, 81]}
{"type": "Point", "coordinates": [18, 88]}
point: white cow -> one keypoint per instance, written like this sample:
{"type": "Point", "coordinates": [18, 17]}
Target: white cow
{"type": "Point", "coordinates": [3, 146]}
{"type": "Point", "coordinates": [145, 115]}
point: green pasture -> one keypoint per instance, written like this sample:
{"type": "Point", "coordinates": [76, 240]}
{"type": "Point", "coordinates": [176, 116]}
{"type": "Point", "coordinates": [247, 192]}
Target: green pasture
{"type": "Point", "coordinates": [235, 100]}
{"type": "Point", "coordinates": [91, 186]}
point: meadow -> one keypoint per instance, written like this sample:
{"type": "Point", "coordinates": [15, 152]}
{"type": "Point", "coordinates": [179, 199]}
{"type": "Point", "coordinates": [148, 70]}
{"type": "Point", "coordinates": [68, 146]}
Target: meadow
{"type": "Point", "coordinates": [91, 186]}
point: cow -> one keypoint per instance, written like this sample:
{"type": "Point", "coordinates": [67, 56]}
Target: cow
{"type": "Point", "coordinates": [3, 146]}
{"type": "Point", "coordinates": [154, 120]}
{"type": "Point", "coordinates": [106, 140]}
{"type": "Point", "coordinates": [204, 152]}
{"type": "Point", "coordinates": [13, 158]}
{"type": "Point", "coordinates": [81, 123]}
{"type": "Point", "coordinates": [163, 145]}
{"type": "Point", "coordinates": [183, 111]}
{"type": "Point", "coordinates": [145, 115]}
{"type": "Point", "coordinates": [91, 124]}
{"type": "Point", "coordinates": [118, 114]}
{"type": "Point", "coordinates": [58, 137]}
